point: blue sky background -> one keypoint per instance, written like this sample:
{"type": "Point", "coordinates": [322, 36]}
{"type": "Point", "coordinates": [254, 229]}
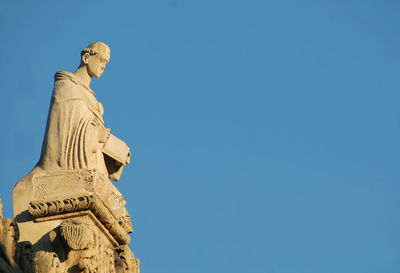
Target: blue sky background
{"type": "Point", "coordinates": [266, 134]}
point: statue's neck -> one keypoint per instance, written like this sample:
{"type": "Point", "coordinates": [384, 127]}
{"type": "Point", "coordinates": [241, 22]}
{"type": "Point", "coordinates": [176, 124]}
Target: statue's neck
{"type": "Point", "coordinates": [82, 74]}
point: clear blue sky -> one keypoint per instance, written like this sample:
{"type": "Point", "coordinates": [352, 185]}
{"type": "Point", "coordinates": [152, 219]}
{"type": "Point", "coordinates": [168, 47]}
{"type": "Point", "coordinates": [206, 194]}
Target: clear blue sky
{"type": "Point", "coordinates": [266, 134]}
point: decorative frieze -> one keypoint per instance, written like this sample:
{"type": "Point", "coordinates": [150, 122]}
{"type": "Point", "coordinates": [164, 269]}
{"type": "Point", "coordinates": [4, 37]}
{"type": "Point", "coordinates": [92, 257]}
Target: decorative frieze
{"type": "Point", "coordinates": [92, 203]}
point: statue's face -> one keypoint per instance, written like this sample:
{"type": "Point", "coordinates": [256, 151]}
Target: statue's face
{"type": "Point", "coordinates": [97, 63]}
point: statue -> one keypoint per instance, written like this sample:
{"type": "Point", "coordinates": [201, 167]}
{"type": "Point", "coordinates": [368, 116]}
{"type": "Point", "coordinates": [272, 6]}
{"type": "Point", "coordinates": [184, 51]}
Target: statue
{"type": "Point", "coordinates": [75, 133]}
{"type": "Point", "coordinates": [75, 137]}
{"type": "Point", "coordinates": [71, 218]}
{"type": "Point", "coordinates": [77, 145]}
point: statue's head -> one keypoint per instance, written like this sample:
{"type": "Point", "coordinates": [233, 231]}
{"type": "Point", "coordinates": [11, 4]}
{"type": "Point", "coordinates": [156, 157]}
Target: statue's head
{"type": "Point", "coordinates": [95, 57]}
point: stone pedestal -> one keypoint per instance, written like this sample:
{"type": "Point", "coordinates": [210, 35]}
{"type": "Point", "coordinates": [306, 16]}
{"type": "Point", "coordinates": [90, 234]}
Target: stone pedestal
{"type": "Point", "coordinates": [75, 219]}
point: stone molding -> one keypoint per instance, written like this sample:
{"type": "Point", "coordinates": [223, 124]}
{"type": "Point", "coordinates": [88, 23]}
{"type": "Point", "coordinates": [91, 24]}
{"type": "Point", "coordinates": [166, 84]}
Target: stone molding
{"type": "Point", "coordinates": [91, 202]}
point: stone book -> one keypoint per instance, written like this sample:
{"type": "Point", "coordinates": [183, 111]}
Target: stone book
{"type": "Point", "coordinates": [117, 150]}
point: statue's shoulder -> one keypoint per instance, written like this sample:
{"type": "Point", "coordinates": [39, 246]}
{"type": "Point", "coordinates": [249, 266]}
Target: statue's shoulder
{"type": "Point", "coordinates": [66, 87]}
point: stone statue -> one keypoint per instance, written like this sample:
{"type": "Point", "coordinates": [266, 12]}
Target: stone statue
{"type": "Point", "coordinates": [79, 153]}
{"type": "Point", "coordinates": [70, 217]}
{"type": "Point", "coordinates": [75, 133]}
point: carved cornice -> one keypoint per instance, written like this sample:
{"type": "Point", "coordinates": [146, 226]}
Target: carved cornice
{"type": "Point", "coordinates": [92, 202]}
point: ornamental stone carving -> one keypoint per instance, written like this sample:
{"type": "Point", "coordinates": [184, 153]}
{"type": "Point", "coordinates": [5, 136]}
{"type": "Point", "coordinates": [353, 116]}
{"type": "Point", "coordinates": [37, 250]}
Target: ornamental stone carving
{"type": "Point", "coordinates": [127, 262]}
{"type": "Point", "coordinates": [25, 256]}
{"type": "Point", "coordinates": [9, 235]}
{"type": "Point", "coordinates": [47, 262]}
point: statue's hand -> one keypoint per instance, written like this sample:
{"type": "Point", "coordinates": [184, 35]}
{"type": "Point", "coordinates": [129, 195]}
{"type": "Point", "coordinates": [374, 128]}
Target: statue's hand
{"type": "Point", "coordinates": [103, 134]}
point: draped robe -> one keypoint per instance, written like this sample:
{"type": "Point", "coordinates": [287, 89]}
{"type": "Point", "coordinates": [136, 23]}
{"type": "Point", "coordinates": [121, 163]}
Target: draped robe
{"type": "Point", "coordinates": [75, 129]}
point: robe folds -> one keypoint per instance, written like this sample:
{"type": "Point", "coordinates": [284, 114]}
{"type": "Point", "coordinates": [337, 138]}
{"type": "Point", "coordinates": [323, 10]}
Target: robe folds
{"type": "Point", "coordinates": [75, 129]}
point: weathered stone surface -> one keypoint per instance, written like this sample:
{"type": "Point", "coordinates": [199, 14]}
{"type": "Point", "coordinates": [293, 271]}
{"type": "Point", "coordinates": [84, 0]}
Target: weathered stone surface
{"type": "Point", "coordinates": [69, 217]}
{"type": "Point", "coordinates": [47, 262]}
{"type": "Point", "coordinates": [9, 235]}
{"type": "Point", "coordinates": [127, 261]}
{"type": "Point", "coordinates": [53, 207]}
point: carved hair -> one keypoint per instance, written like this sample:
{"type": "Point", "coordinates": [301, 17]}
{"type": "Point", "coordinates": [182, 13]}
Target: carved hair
{"type": "Point", "coordinates": [93, 48]}
{"type": "Point", "coordinates": [78, 234]}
